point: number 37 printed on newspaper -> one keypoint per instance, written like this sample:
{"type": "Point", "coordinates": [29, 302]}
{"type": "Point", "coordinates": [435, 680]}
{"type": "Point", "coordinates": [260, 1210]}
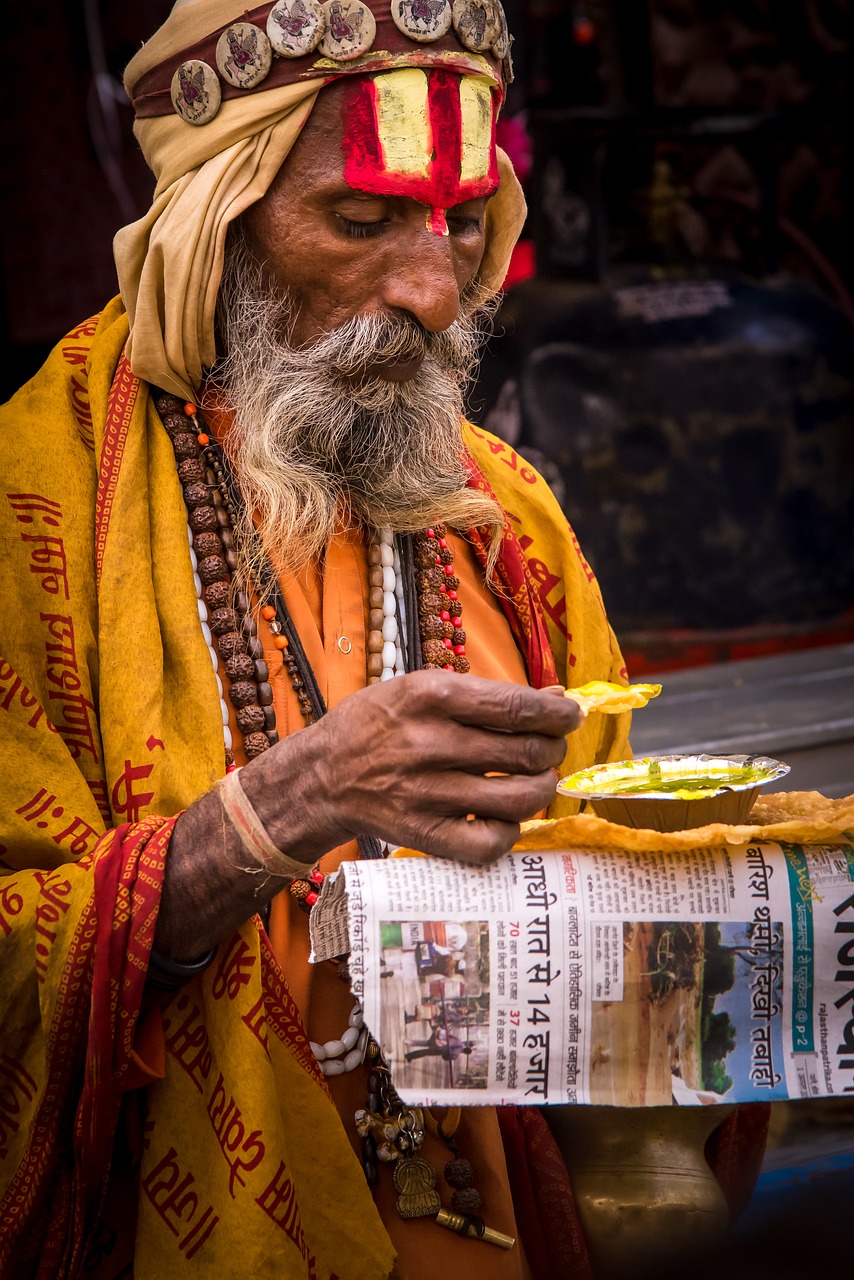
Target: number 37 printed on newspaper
{"type": "Point", "coordinates": [692, 978]}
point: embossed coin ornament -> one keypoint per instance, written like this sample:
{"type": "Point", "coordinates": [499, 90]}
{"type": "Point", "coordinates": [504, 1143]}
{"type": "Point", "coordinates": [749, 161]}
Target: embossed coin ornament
{"type": "Point", "coordinates": [243, 55]}
{"type": "Point", "coordinates": [196, 94]}
{"type": "Point", "coordinates": [350, 30]}
{"type": "Point", "coordinates": [295, 27]}
{"type": "Point", "coordinates": [501, 47]}
{"type": "Point", "coordinates": [422, 20]}
{"type": "Point", "coordinates": [477, 24]}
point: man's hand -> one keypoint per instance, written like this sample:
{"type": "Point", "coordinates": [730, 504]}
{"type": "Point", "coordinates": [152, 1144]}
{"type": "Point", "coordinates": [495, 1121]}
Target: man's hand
{"type": "Point", "coordinates": [406, 760]}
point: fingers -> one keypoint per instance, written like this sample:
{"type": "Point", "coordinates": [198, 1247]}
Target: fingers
{"type": "Point", "coordinates": [405, 760]}
{"type": "Point", "coordinates": [508, 799]}
{"type": "Point", "coordinates": [428, 721]}
{"type": "Point", "coordinates": [479, 842]}
{"type": "Point", "coordinates": [436, 817]}
{"type": "Point", "coordinates": [493, 704]}
{"type": "Point", "coordinates": [485, 751]}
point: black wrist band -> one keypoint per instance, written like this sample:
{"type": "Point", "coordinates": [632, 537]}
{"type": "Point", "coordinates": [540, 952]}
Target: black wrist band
{"type": "Point", "coordinates": [169, 975]}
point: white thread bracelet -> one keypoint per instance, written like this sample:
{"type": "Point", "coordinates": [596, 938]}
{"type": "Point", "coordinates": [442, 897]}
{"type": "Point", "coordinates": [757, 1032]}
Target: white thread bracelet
{"type": "Point", "coordinates": [249, 827]}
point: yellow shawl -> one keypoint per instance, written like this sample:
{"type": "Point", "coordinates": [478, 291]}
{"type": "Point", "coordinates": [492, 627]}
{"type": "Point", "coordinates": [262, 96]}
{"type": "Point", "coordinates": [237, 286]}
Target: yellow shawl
{"type": "Point", "coordinates": [109, 727]}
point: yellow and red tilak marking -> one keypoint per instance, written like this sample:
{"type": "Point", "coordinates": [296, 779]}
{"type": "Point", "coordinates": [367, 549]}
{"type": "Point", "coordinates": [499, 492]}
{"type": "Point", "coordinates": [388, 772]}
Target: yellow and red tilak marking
{"type": "Point", "coordinates": [429, 136]}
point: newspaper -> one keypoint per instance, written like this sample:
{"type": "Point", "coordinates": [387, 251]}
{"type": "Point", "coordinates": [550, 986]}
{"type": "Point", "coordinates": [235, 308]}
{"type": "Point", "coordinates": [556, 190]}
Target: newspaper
{"type": "Point", "coordinates": [716, 975]}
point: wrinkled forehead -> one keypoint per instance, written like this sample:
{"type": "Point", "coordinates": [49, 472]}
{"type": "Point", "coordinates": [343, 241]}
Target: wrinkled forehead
{"type": "Point", "coordinates": [426, 135]}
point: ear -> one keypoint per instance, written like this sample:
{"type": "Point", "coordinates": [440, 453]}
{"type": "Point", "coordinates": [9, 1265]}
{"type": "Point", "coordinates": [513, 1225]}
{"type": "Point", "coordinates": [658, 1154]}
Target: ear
{"type": "Point", "coordinates": [505, 217]}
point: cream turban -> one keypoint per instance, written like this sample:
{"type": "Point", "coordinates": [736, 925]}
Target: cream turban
{"type": "Point", "coordinates": [170, 261]}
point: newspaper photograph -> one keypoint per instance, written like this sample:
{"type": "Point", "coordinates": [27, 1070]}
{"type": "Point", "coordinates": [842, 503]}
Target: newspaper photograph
{"type": "Point", "coordinates": [717, 975]}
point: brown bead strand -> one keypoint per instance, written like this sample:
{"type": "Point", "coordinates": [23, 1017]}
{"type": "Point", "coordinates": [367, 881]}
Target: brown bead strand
{"type": "Point", "coordinates": [211, 520]}
{"type": "Point", "coordinates": [443, 641]}
{"type": "Point", "coordinates": [280, 640]}
{"type": "Point", "coordinates": [234, 630]}
{"type": "Point", "coordinates": [375, 616]}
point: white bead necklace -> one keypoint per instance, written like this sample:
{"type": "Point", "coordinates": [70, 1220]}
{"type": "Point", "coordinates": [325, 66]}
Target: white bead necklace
{"type": "Point", "coordinates": [334, 1057]}
{"type": "Point", "coordinates": [392, 650]}
{"type": "Point", "coordinates": [206, 632]}
{"type": "Point", "coordinates": [337, 1056]}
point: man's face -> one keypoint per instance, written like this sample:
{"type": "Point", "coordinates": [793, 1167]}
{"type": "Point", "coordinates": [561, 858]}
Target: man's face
{"type": "Point", "coordinates": [340, 252]}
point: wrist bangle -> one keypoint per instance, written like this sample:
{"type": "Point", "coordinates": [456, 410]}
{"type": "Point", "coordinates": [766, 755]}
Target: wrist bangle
{"type": "Point", "coordinates": [239, 810]}
{"type": "Point", "coordinates": [169, 975]}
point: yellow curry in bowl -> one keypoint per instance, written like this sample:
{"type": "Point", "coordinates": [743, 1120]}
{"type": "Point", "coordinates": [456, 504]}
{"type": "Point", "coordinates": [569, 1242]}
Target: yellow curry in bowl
{"type": "Point", "coordinates": [674, 793]}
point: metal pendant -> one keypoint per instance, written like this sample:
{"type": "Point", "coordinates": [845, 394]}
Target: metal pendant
{"type": "Point", "coordinates": [415, 1181]}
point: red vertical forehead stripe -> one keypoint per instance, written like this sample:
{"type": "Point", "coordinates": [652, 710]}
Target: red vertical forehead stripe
{"type": "Point", "coordinates": [441, 186]}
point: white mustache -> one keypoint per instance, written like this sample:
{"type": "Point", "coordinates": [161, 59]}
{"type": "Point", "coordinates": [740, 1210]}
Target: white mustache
{"type": "Point", "coordinates": [317, 436]}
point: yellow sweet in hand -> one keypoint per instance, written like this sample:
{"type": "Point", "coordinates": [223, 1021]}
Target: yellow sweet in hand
{"type": "Point", "coordinates": [602, 695]}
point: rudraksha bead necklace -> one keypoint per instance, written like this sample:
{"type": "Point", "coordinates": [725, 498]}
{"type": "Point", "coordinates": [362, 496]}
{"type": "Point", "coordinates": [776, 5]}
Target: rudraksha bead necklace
{"type": "Point", "coordinates": [227, 621]}
{"type": "Point", "coordinates": [443, 640]}
{"type": "Point", "coordinates": [395, 566]}
{"type": "Point", "coordinates": [225, 613]}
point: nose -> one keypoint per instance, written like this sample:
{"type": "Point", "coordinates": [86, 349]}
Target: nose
{"type": "Point", "coordinates": [425, 284]}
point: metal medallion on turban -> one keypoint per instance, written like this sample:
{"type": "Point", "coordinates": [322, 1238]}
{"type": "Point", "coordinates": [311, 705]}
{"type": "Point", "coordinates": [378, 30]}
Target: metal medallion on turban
{"type": "Point", "coordinates": [422, 20]}
{"type": "Point", "coordinates": [501, 48]}
{"type": "Point", "coordinates": [196, 92]}
{"type": "Point", "coordinates": [477, 24]}
{"type": "Point", "coordinates": [350, 30]}
{"type": "Point", "coordinates": [295, 27]}
{"type": "Point", "coordinates": [501, 45]}
{"type": "Point", "coordinates": [243, 55]}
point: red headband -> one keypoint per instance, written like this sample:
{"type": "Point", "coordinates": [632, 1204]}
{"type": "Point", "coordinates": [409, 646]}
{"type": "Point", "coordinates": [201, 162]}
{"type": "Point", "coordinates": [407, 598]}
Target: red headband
{"type": "Point", "coordinates": [477, 43]}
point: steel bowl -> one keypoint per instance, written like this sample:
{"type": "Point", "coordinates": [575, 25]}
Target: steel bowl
{"type": "Point", "coordinates": [674, 793]}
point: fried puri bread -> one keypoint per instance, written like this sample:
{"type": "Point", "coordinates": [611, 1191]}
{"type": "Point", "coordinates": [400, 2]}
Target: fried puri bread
{"type": "Point", "coordinates": [611, 699]}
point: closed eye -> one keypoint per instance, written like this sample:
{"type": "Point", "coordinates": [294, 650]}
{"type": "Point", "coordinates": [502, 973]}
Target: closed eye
{"type": "Point", "coordinates": [460, 225]}
{"type": "Point", "coordinates": [361, 230]}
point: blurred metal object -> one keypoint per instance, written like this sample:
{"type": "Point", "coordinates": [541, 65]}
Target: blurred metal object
{"type": "Point", "coordinates": [644, 1191]}
{"type": "Point", "coordinates": [701, 424]}
{"type": "Point", "coordinates": [699, 417]}
{"type": "Point", "coordinates": [465, 1227]}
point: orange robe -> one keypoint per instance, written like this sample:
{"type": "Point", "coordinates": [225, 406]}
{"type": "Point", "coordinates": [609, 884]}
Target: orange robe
{"type": "Point", "coordinates": [330, 612]}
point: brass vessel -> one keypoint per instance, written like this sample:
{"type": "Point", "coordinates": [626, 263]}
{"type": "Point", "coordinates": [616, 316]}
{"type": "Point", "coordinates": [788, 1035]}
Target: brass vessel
{"type": "Point", "coordinates": [644, 1190]}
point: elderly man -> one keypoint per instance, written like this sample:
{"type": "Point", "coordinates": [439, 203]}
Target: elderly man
{"type": "Point", "coordinates": [270, 603]}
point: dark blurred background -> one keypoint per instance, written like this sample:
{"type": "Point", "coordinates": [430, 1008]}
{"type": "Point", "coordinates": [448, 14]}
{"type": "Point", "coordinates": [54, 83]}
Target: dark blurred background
{"type": "Point", "coordinates": [674, 348]}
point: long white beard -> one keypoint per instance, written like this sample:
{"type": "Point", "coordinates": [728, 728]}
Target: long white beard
{"type": "Point", "coordinates": [317, 441]}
